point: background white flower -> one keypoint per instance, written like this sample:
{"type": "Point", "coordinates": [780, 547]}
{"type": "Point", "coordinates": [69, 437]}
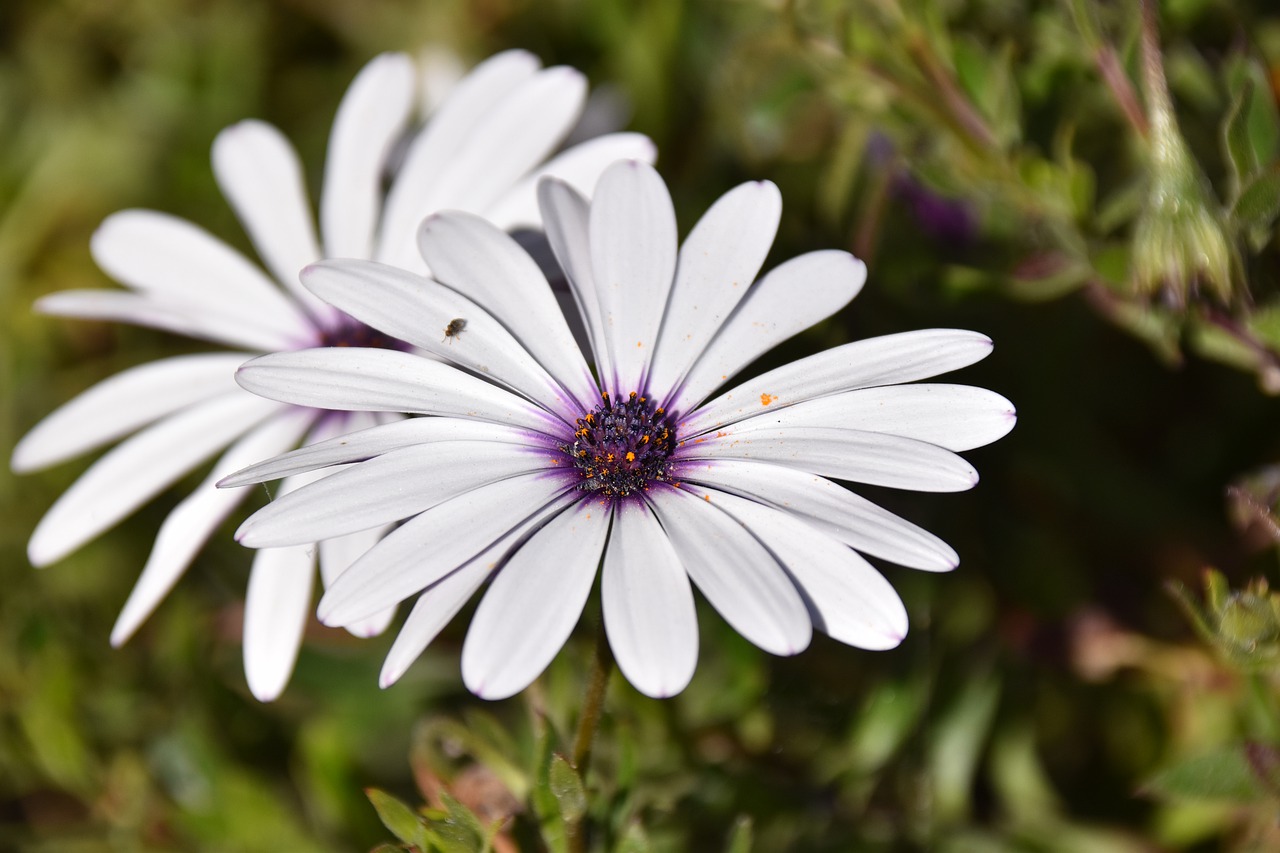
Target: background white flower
{"type": "Point", "coordinates": [531, 470]}
{"type": "Point", "coordinates": [483, 150]}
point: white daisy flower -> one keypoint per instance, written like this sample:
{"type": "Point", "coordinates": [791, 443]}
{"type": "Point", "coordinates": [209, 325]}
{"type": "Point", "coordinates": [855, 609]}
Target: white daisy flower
{"type": "Point", "coordinates": [531, 471]}
{"type": "Point", "coordinates": [483, 150]}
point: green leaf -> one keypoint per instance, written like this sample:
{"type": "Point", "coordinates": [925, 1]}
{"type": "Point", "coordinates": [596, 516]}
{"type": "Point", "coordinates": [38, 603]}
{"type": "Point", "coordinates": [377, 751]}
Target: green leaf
{"type": "Point", "coordinates": [1258, 205]}
{"type": "Point", "coordinates": [1235, 136]}
{"type": "Point", "coordinates": [567, 787]}
{"type": "Point", "coordinates": [545, 804]}
{"type": "Point", "coordinates": [958, 738]}
{"type": "Point", "coordinates": [460, 830]}
{"type": "Point", "coordinates": [1224, 774]}
{"type": "Point", "coordinates": [402, 821]}
{"type": "Point", "coordinates": [741, 836]}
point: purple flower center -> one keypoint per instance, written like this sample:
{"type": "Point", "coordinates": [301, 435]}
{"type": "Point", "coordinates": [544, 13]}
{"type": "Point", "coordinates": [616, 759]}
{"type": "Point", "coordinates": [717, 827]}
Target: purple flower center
{"type": "Point", "coordinates": [622, 446]}
{"type": "Point", "coordinates": [353, 333]}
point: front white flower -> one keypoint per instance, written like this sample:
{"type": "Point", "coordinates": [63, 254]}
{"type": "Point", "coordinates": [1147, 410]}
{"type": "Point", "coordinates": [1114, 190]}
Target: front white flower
{"type": "Point", "coordinates": [530, 471]}
{"type": "Point", "coordinates": [482, 150]}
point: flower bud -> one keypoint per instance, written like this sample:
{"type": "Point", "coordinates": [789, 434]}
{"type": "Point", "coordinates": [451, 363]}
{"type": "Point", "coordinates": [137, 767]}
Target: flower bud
{"type": "Point", "coordinates": [1243, 626]}
{"type": "Point", "coordinates": [1180, 243]}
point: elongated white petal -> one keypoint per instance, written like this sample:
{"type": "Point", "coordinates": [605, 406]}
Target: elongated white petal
{"type": "Point", "coordinates": [120, 404]}
{"type": "Point", "coordinates": [788, 300]}
{"type": "Point", "coordinates": [432, 152]}
{"type": "Point", "coordinates": [431, 613]}
{"type": "Point", "coordinates": [357, 498]}
{"type": "Point", "coordinates": [337, 555]}
{"type": "Point", "coordinates": [275, 614]}
{"type": "Point", "coordinates": [580, 167]}
{"type": "Point", "coordinates": [847, 599]}
{"type": "Point", "coordinates": [443, 599]}
{"type": "Point", "coordinates": [373, 114]}
{"type": "Point", "coordinates": [633, 262]}
{"type": "Point", "coordinates": [717, 265]}
{"type": "Point", "coordinates": [846, 454]}
{"type": "Point", "coordinates": [848, 517]}
{"type": "Point", "coordinates": [534, 602]}
{"type": "Point", "coordinates": [173, 259]}
{"type": "Point", "coordinates": [136, 470]}
{"type": "Point", "coordinates": [957, 417]}
{"type": "Point", "coordinates": [358, 379]}
{"type": "Point", "coordinates": [431, 545]}
{"type": "Point", "coordinates": [510, 140]}
{"type": "Point", "coordinates": [649, 613]}
{"type": "Point", "coordinates": [742, 580]}
{"type": "Point", "coordinates": [261, 176]}
{"type": "Point", "coordinates": [418, 311]}
{"type": "Point", "coordinates": [375, 441]}
{"type": "Point", "coordinates": [476, 259]}
{"type": "Point", "coordinates": [210, 325]}
{"type": "Point", "coordinates": [186, 529]}
{"type": "Point", "coordinates": [566, 215]}
{"type": "Point", "coordinates": [887, 360]}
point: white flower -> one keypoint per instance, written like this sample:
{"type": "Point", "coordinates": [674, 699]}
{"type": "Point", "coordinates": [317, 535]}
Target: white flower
{"type": "Point", "coordinates": [530, 472]}
{"type": "Point", "coordinates": [483, 150]}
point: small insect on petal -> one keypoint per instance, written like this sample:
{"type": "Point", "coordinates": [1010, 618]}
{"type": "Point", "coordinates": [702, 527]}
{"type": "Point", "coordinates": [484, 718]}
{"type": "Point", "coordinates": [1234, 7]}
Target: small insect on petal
{"type": "Point", "coordinates": [454, 329]}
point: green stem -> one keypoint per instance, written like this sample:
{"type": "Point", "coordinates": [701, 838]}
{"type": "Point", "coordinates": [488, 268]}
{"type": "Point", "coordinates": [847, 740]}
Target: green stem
{"type": "Point", "coordinates": [593, 702]}
{"type": "Point", "coordinates": [588, 725]}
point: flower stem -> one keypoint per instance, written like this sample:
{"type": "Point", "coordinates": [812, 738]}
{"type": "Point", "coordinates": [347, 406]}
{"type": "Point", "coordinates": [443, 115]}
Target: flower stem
{"type": "Point", "coordinates": [588, 724]}
{"type": "Point", "coordinates": [593, 702]}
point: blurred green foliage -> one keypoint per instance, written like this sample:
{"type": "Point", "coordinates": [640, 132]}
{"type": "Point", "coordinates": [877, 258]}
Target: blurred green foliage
{"type": "Point", "coordinates": [990, 160]}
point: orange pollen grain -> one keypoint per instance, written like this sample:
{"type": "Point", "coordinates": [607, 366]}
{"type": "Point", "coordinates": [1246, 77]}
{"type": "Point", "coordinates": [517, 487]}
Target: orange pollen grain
{"type": "Point", "coordinates": [766, 399]}
{"type": "Point", "coordinates": [631, 457]}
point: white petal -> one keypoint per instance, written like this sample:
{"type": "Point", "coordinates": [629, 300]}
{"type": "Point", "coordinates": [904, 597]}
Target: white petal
{"type": "Point", "coordinates": [375, 441]}
{"type": "Point", "coordinates": [123, 403]}
{"type": "Point", "coordinates": [863, 457]}
{"type": "Point", "coordinates": [566, 214]}
{"type": "Point", "coordinates": [847, 599]}
{"type": "Point", "coordinates": [717, 264]}
{"type": "Point", "coordinates": [275, 615]}
{"type": "Point", "coordinates": [189, 526]}
{"type": "Point", "coordinates": [393, 486]}
{"type": "Point", "coordinates": [168, 257]}
{"type": "Point", "coordinates": [633, 262]}
{"type": "Point", "coordinates": [443, 599]}
{"type": "Point", "coordinates": [136, 470]}
{"type": "Point", "coordinates": [649, 613]}
{"type": "Point", "coordinates": [432, 612]}
{"type": "Point", "coordinates": [373, 114]}
{"type": "Point", "coordinates": [742, 580]}
{"type": "Point", "coordinates": [431, 545]}
{"type": "Point", "coordinates": [886, 360]}
{"type": "Point", "coordinates": [358, 379]}
{"type": "Point", "coordinates": [207, 324]}
{"type": "Point", "coordinates": [534, 602]}
{"type": "Point", "coordinates": [432, 152]}
{"type": "Point", "coordinates": [474, 258]}
{"type": "Point", "coordinates": [418, 310]}
{"type": "Point", "coordinates": [848, 517]}
{"type": "Point", "coordinates": [957, 417]}
{"type": "Point", "coordinates": [337, 555]}
{"type": "Point", "coordinates": [580, 167]}
{"type": "Point", "coordinates": [509, 141]}
{"type": "Point", "coordinates": [790, 299]}
{"type": "Point", "coordinates": [261, 176]}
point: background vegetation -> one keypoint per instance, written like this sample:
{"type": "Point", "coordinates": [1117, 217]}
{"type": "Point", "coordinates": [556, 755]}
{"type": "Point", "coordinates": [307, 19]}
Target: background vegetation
{"type": "Point", "coordinates": [1000, 165]}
